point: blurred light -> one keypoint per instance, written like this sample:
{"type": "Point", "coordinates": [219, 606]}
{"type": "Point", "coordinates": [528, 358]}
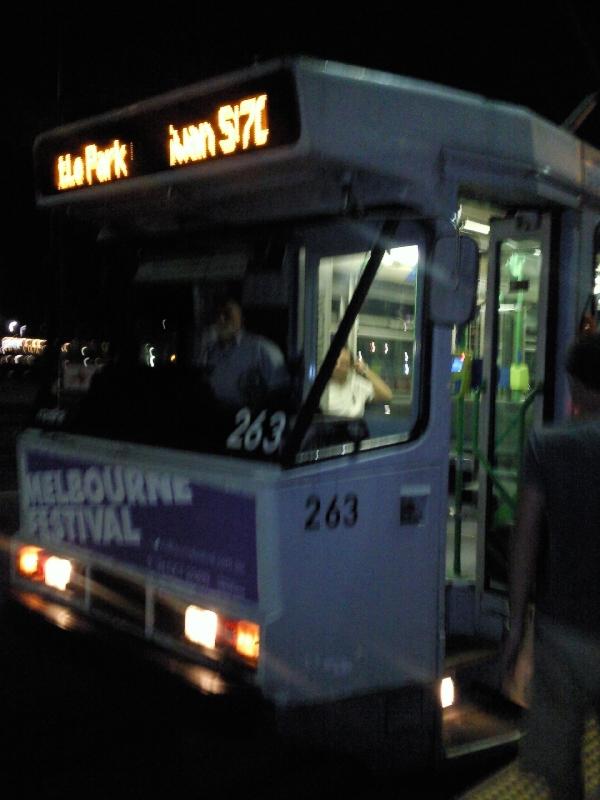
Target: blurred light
{"type": "Point", "coordinates": [149, 356]}
{"type": "Point", "coordinates": [11, 343]}
{"type": "Point", "coordinates": [28, 560]}
{"type": "Point", "coordinates": [12, 325]}
{"type": "Point", "coordinates": [173, 358]}
{"type": "Point", "coordinates": [247, 639]}
{"type": "Point", "coordinates": [372, 347]}
{"type": "Point", "coordinates": [57, 572]}
{"type": "Point", "coordinates": [21, 329]}
{"type": "Point", "coordinates": [34, 346]}
{"type": "Point", "coordinates": [447, 692]}
{"type": "Point", "coordinates": [386, 348]}
{"type": "Point", "coordinates": [201, 626]}
{"type": "Point", "coordinates": [387, 409]}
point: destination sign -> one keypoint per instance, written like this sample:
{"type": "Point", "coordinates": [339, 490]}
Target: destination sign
{"type": "Point", "coordinates": [179, 130]}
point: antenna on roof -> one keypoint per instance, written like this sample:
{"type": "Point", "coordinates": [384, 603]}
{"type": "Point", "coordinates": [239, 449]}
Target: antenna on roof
{"type": "Point", "coordinates": [581, 112]}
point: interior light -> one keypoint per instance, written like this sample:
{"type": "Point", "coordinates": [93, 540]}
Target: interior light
{"type": "Point", "coordinates": [406, 256]}
{"type": "Point", "coordinates": [475, 227]}
{"type": "Point", "coordinates": [201, 626]}
{"type": "Point", "coordinates": [57, 572]}
{"type": "Point", "coordinates": [447, 692]}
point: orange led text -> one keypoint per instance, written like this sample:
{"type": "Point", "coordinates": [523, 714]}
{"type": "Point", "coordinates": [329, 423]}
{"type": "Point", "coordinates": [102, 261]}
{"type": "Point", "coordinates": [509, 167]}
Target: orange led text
{"type": "Point", "coordinates": [93, 165]}
{"type": "Point", "coordinates": [235, 128]}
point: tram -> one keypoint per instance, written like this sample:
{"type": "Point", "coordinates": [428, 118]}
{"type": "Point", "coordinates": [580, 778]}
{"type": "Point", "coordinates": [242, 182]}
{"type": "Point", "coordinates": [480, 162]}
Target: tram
{"type": "Point", "coordinates": [340, 566]}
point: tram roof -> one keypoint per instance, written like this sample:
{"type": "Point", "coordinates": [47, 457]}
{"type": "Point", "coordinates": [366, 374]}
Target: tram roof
{"type": "Point", "coordinates": [339, 134]}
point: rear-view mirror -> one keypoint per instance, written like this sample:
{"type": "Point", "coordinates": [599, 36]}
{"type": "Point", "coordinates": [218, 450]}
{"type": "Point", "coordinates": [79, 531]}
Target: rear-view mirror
{"type": "Point", "coordinates": [453, 273]}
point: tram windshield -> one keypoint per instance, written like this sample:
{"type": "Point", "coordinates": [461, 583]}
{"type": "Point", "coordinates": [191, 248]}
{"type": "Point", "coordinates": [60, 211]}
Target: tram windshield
{"type": "Point", "coordinates": [224, 341]}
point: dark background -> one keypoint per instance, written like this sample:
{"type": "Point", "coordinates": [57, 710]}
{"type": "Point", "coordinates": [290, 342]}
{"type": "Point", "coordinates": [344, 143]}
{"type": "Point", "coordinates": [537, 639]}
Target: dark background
{"type": "Point", "coordinates": [66, 61]}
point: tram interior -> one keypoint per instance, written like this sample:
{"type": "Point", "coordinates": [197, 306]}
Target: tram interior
{"type": "Point", "coordinates": [516, 306]}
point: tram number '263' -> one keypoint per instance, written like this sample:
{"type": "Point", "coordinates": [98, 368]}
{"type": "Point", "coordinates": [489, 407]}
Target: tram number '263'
{"type": "Point", "coordinates": [332, 513]}
{"type": "Point", "coordinates": [263, 433]}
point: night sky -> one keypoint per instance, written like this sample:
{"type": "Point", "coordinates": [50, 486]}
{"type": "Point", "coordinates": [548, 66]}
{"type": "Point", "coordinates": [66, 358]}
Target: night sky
{"type": "Point", "coordinates": [70, 61]}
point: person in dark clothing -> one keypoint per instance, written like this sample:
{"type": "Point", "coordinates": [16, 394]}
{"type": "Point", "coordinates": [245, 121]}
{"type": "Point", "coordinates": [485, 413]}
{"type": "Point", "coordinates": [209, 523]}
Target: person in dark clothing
{"type": "Point", "coordinates": [242, 368]}
{"type": "Point", "coordinates": [555, 563]}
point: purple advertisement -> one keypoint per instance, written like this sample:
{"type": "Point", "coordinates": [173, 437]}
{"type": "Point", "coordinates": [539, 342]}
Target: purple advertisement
{"type": "Point", "coordinates": [149, 518]}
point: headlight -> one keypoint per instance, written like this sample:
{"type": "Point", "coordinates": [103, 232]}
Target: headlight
{"type": "Point", "coordinates": [40, 566]}
{"type": "Point", "coordinates": [447, 692]}
{"type": "Point", "coordinates": [222, 634]}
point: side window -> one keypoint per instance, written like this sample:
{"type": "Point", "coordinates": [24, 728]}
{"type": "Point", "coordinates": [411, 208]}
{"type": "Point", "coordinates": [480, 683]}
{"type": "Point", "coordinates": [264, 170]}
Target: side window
{"type": "Point", "coordinates": [375, 380]}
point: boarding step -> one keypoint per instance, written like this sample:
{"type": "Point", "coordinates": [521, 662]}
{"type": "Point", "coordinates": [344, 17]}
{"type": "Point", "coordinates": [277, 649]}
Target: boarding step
{"type": "Point", "coordinates": [481, 717]}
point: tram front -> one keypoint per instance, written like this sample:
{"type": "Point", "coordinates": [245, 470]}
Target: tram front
{"type": "Point", "coordinates": [262, 491]}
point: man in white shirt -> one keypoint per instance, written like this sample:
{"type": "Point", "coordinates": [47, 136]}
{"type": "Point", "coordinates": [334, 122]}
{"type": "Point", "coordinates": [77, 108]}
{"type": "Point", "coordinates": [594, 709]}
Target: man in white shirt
{"type": "Point", "coordinates": [351, 387]}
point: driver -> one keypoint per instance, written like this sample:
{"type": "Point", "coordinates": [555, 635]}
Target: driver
{"type": "Point", "coordinates": [242, 368]}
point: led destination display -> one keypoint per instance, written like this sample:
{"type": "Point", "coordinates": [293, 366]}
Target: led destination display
{"type": "Point", "coordinates": [184, 129]}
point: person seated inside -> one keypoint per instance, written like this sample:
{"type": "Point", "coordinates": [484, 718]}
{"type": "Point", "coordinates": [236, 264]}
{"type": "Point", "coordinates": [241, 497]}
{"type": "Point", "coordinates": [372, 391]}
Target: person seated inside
{"type": "Point", "coordinates": [352, 385]}
{"type": "Point", "coordinates": [242, 368]}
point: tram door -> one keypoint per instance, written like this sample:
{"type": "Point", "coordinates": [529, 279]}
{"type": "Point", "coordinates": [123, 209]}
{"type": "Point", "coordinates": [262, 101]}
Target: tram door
{"type": "Point", "coordinates": [511, 397]}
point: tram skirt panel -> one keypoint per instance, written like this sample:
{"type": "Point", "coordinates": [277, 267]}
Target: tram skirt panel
{"type": "Point", "coordinates": [512, 783]}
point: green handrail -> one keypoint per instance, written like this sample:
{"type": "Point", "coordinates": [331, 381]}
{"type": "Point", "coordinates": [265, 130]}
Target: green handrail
{"type": "Point", "coordinates": [458, 482]}
{"type": "Point", "coordinates": [478, 455]}
{"type": "Point", "coordinates": [520, 421]}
